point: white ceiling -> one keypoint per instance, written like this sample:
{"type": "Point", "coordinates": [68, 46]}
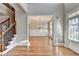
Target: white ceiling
{"type": "Point", "coordinates": [70, 6]}
{"type": "Point", "coordinates": [47, 8]}
{"type": "Point", "coordinates": [43, 8]}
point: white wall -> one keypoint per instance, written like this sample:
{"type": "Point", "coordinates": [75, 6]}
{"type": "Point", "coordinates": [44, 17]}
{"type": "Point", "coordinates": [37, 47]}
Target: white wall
{"type": "Point", "coordinates": [43, 31]}
{"type": "Point", "coordinates": [21, 26]}
{"type": "Point", "coordinates": [58, 27]}
{"type": "Point", "coordinates": [39, 32]}
{"type": "Point", "coordinates": [51, 28]}
{"type": "Point", "coordinates": [58, 32]}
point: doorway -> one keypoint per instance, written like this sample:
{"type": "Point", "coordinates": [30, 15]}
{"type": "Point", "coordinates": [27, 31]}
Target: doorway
{"type": "Point", "coordinates": [40, 27]}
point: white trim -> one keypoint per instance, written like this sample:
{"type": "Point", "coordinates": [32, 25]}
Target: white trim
{"type": "Point", "coordinates": [73, 49]}
{"type": "Point", "coordinates": [23, 43]}
{"type": "Point", "coordinates": [8, 49]}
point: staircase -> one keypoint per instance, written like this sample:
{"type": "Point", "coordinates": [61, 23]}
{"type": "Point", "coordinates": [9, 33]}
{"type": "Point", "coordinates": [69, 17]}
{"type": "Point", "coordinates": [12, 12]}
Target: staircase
{"type": "Point", "coordinates": [9, 41]}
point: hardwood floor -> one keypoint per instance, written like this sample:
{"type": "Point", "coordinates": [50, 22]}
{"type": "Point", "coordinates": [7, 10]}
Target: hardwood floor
{"type": "Point", "coordinates": [41, 46]}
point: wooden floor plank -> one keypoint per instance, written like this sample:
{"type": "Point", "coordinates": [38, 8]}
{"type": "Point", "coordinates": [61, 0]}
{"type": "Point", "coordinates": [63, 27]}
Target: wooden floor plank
{"type": "Point", "coordinates": [41, 46]}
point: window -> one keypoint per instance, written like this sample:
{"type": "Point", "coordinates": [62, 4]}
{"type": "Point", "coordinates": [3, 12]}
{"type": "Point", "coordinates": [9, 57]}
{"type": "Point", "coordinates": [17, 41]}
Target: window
{"type": "Point", "coordinates": [74, 29]}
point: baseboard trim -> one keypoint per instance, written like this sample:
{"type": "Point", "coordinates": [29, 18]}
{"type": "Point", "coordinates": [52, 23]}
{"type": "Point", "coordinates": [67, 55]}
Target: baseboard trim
{"type": "Point", "coordinates": [23, 43]}
{"type": "Point", "coordinates": [73, 49]}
